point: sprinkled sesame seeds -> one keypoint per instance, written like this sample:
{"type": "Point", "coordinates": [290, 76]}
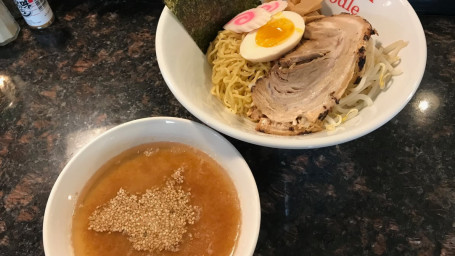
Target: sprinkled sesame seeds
{"type": "Point", "coordinates": [154, 221]}
{"type": "Point", "coordinates": [151, 151]}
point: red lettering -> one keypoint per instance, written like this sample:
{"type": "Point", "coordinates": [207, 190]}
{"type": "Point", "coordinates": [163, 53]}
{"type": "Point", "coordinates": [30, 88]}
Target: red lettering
{"type": "Point", "coordinates": [355, 10]}
{"type": "Point", "coordinates": [349, 6]}
{"type": "Point", "coordinates": [342, 3]}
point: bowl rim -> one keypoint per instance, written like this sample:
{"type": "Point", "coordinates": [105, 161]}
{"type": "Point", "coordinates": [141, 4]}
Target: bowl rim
{"type": "Point", "coordinates": [276, 141]}
{"type": "Point", "coordinates": [247, 174]}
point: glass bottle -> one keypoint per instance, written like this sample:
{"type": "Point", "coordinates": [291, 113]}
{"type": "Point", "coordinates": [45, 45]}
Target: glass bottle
{"type": "Point", "coordinates": [37, 13]}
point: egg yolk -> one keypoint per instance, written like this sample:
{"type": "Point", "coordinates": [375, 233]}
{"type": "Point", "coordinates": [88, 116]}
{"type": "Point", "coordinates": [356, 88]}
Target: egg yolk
{"type": "Point", "coordinates": [274, 32]}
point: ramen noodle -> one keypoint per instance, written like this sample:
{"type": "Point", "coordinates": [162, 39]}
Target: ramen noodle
{"type": "Point", "coordinates": [232, 75]}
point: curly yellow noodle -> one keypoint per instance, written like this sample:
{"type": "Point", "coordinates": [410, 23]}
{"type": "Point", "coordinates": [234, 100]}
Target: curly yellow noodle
{"type": "Point", "coordinates": [232, 75]}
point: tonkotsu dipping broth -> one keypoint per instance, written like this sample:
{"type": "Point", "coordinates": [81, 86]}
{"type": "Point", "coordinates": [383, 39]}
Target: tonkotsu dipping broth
{"type": "Point", "coordinates": [155, 178]}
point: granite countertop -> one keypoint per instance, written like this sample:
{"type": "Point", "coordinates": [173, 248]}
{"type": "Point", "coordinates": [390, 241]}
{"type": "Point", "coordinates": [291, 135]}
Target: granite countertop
{"type": "Point", "coordinates": [391, 192]}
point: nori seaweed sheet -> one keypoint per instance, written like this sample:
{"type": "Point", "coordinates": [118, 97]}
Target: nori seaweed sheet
{"type": "Point", "coordinates": [204, 18]}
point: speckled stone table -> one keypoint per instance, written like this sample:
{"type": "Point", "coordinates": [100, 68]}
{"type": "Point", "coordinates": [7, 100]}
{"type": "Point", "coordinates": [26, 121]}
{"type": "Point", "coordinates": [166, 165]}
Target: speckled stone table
{"type": "Point", "coordinates": [391, 192]}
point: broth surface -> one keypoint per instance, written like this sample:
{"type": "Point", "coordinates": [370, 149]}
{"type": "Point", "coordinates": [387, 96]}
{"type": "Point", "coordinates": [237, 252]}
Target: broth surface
{"type": "Point", "coordinates": [147, 166]}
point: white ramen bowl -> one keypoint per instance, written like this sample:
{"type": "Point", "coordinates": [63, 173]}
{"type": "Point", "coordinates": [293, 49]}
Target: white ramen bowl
{"type": "Point", "coordinates": [188, 75]}
{"type": "Point", "coordinates": [78, 171]}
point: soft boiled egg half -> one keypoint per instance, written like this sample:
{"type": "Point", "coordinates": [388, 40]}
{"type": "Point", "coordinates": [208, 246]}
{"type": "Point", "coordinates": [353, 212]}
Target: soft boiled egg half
{"type": "Point", "coordinates": [269, 42]}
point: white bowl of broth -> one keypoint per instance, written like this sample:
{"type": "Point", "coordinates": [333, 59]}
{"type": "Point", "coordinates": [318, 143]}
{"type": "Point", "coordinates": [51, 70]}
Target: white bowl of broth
{"type": "Point", "coordinates": [188, 75]}
{"type": "Point", "coordinates": [201, 195]}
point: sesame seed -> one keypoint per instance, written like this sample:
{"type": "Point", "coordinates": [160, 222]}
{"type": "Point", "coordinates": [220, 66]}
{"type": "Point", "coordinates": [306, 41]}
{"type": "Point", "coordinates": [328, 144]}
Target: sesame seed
{"type": "Point", "coordinates": [154, 221]}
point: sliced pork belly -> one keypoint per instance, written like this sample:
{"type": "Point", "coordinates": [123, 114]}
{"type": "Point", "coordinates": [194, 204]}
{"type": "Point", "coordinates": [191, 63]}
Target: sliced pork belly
{"type": "Point", "coordinates": [306, 83]}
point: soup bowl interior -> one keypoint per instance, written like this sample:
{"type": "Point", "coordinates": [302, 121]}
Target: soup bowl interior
{"type": "Point", "coordinates": [188, 75]}
{"type": "Point", "coordinates": [62, 200]}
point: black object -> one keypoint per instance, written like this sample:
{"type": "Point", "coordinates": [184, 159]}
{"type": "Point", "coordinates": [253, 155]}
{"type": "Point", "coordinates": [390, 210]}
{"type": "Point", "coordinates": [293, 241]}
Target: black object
{"type": "Point", "coordinates": [444, 7]}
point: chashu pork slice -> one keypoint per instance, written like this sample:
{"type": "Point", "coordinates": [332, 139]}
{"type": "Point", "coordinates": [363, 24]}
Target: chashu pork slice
{"type": "Point", "coordinates": [306, 83]}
